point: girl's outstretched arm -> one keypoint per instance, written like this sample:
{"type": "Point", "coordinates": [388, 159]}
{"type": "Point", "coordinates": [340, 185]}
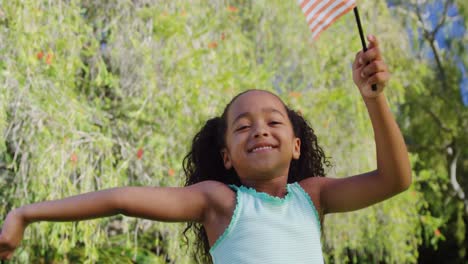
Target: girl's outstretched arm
{"type": "Point", "coordinates": [162, 204]}
{"type": "Point", "coordinates": [393, 174]}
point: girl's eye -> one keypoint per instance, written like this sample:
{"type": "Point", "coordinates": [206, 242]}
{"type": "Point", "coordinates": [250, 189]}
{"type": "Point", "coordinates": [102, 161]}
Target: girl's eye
{"type": "Point", "coordinates": [241, 128]}
{"type": "Point", "coordinates": [275, 123]}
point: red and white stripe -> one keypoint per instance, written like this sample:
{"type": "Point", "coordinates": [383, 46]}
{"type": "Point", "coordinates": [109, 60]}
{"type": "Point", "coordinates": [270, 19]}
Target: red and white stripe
{"type": "Point", "coordinates": [320, 14]}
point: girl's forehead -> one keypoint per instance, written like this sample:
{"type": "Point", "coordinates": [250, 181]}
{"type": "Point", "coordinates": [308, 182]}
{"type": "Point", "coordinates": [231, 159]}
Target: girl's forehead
{"type": "Point", "coordinates": [255, 101]}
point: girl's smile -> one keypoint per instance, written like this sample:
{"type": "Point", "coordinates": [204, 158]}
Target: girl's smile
{"type": "Point", "coordinates": [262, 148]}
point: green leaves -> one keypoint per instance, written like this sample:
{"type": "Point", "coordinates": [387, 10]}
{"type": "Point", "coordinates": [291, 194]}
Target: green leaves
{"type": "Point", "coordinates": [129, 84]}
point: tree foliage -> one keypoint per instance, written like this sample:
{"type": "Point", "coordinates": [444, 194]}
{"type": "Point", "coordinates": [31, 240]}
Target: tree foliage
{"type": "Point", "coordinates": [436, 120]}
{"type": "Point", "coordinates": [98, 94]}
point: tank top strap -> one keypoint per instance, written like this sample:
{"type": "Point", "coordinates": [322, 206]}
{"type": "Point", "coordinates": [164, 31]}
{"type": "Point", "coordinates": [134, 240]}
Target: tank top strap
{"type": "Point", "coordinates": [300, 192]}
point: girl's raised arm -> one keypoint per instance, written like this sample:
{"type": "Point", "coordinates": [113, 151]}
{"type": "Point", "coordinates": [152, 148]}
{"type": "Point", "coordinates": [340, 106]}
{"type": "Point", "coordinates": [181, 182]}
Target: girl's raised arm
{"type": "Point", "coordinates": [393, 174]}
{"type": "Point", "coordinates": [161, 204]}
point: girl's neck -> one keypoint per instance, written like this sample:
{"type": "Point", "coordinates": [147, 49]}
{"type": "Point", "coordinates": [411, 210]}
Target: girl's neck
{"type": "Point", "coordinates": [274, 187]}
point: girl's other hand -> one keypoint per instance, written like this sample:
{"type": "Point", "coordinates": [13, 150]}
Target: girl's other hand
{"type": "Point", "coordinates": [369, 68]}
{"type": "Point", "coordinates": [11, 234]}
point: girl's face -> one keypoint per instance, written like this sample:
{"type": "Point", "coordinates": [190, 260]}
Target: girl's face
{"type": "Point", "coordinates": [260, 141]}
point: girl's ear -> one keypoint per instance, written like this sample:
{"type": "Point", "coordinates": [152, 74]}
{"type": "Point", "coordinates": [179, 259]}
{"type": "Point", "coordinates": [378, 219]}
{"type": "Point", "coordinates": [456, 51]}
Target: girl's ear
{"type": "Point", "coordinates": [226, 158]}
{"type": "Point", "coordinates": [296, 148]}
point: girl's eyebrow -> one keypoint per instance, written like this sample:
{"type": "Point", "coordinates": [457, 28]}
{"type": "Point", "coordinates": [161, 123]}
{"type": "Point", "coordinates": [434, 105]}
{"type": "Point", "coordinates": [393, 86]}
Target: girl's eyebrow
{"type": "Point", "coordinates": [265, 110]}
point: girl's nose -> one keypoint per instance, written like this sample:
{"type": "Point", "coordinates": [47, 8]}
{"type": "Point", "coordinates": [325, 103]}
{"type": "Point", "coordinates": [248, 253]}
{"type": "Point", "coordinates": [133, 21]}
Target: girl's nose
{"type": "Point", "coordinates": [261, 131]}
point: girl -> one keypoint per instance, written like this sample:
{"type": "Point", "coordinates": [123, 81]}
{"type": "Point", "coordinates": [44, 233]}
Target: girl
{"type": "Point", "coordinates": [252, 194]}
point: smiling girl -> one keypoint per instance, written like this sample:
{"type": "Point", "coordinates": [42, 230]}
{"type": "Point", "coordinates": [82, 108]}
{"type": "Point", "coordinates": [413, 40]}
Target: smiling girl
{"type": "Point", "coordinates": [254, 191]}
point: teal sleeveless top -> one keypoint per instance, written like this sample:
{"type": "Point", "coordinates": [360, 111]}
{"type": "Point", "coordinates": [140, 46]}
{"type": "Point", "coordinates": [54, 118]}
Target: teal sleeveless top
{"type": "Point", "coordinates": [268, 229]}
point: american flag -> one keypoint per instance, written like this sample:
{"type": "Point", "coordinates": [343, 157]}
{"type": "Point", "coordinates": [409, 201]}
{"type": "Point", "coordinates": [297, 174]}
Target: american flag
{"type": "Point", "coordinates": [320, 14]}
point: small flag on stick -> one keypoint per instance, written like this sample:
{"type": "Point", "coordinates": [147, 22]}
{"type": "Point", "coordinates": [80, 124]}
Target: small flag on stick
{"type": "Point", "coordinates": [320, 14]}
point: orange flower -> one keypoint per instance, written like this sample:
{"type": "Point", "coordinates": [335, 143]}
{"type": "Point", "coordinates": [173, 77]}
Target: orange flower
{"type": "Point", "coordinates": [183, 13]}
{"type": "Point", "coordinates": [232, 9]}
{"type": "Point", "coordinates": [223, 36]}
{"type": "Point", "coordinates": [139, 153]}
{"type": "Point", "coordinates": [39, 55]}
{"type": "Point", "coordinates": [74, 158]}
{"type": "Point", "coordinates": [171, 172]}
{"type": "Point", "coordinates": [295, 94]}
{"type": "Point", "coordinates": [437, 232]}
{"type": "Point", "coordinates": [213, 45]}
{"type": "Point", "coordinates": [49, 58]}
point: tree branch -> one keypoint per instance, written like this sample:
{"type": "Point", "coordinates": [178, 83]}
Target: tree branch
{"type": "Point", "coordinates": [444, 17]}
{"type": "Point", "coordinates": [437, 120]}
{"type": "Point", "coordinates": [453, 177]}
{"type": "Point", "coordinates": [429, 35]}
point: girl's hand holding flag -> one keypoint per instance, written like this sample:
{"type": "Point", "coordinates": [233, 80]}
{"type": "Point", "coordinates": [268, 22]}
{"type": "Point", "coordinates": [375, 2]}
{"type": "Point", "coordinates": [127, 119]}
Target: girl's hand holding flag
{"type": "Point", "coordinates": [370, 74]}
{"type": "Point", "coordinates": [369, 69]}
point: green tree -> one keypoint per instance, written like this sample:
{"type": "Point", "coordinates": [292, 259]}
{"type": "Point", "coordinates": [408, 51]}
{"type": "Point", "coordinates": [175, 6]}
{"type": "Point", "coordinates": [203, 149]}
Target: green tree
{"type": "Point", "coordinates": [100, 94]}
{"type": "Point", "coordinates": [436, 123]}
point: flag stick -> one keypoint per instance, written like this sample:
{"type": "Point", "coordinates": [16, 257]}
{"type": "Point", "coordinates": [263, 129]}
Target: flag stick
{"type": "Point", "coordinates": [361, 34]}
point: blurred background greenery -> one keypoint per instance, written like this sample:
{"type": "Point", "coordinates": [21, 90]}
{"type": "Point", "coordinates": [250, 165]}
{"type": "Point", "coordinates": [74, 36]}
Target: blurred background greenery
{"type": "Point", "coordinates": [99, 94]}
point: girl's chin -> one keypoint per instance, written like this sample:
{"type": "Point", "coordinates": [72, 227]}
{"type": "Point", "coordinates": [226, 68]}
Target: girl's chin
{"type": "Point", "coordinates": [265, 172]}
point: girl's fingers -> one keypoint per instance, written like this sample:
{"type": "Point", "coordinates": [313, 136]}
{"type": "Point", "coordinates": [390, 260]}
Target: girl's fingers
{"type": "Point", "coordinates": [5, 249]}
{"type": "Point", "coordinates": [379, 78]}
{"type": "Point", "coordinates": [356, 63]}
{"type": "Point", "coordinates": [364, 58]}
{"type": "Point", "coordinates": [5, 246]}
{"type": "Point", "coordinates": [4, 255]}
{"type": "Point", "coordinates": [373, 42]}
{"type": "Point", "coordinates": [372, 68]}
{"type": "Point", "coordinates": [373, 50]}
{"type": "Point", "coordinates": [370, 55]}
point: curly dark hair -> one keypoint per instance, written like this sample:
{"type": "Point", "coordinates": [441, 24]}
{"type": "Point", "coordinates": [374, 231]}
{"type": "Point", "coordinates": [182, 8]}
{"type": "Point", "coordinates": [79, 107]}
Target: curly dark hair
{"type": "Point", "coordinates": [204, 162]}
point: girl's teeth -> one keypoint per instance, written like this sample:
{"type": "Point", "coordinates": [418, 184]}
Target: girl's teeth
{"type": "Point", "coordinates": [257, 149]}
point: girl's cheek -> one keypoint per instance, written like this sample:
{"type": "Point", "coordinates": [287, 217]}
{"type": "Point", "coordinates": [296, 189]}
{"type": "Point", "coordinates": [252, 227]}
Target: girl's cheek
{"type": "Point", "coordinates": [239, 140]}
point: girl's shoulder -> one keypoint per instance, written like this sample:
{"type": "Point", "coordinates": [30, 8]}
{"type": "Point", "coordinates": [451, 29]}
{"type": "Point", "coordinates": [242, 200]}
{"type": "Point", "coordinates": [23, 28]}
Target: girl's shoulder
{"type": "Point", "coordinates": [214, 187]}
{"type": "Point", "coordinates": [219, 195]}
{"type": "Point", "coordinates": [312, 183]}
